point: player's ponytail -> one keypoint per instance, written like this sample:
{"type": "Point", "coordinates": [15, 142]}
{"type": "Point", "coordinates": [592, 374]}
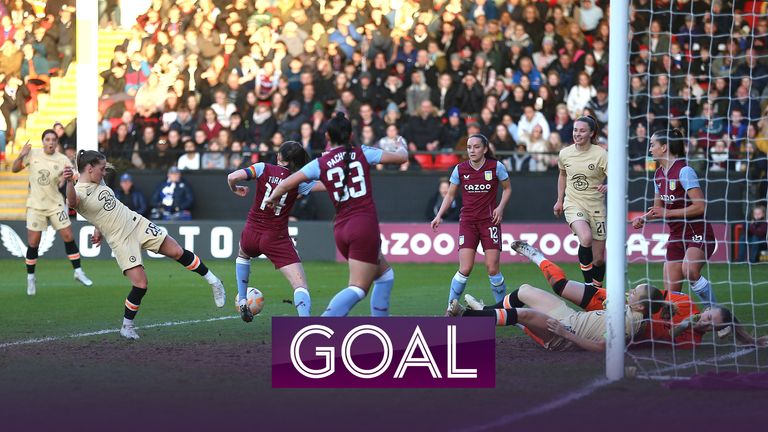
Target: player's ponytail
{"type": "Point", "coordinates": [88, 157]}
{"type": "Point", "coordinates": [593, 128]}
{"type": "Point", "coordinates": [294, 154]}
{"type": "Point", "coordinates": [484, 141]}
{"type": "Point", "coordinates": [674, 139]}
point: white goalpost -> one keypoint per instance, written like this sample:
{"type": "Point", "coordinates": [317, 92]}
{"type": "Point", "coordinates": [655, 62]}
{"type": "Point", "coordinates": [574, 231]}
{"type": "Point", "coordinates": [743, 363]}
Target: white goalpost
{"type": "Point", "coordinates": [617, 187]}
{"type": "Point", "coordinates": [701, 67]}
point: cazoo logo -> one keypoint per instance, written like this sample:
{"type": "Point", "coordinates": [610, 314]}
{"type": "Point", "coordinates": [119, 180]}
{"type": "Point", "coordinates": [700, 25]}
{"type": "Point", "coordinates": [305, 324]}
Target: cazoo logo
{"type": "Point", "coordinates": [416, 245]}
{"type": "Point", "coordinates": [477, 187]}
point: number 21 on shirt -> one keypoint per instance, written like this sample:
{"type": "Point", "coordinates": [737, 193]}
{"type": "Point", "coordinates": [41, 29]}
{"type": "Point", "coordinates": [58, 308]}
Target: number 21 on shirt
{"type": "Point", "coordinates": [357, 189]}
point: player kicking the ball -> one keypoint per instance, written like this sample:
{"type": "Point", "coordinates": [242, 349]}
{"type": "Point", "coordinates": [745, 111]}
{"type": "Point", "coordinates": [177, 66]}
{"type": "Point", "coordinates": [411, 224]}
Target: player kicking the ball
{"type": "Point", "coordinates": [127, 233]}
{"type": "Point", "coordinates": [266, 231]}
{"type": "Point", "coordinates": [345, 172]}
{"type": "Point", "coordinates": [480, 221]}
{"type": "Point", "coordinates": [46, 205]}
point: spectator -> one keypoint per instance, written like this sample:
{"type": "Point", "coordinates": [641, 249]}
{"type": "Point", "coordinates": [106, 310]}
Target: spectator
{"type": "Point", "coordinates": [638, 147]}
{"type": "Point", "coordinates": [130, 195]}
{"type": "Point", "coordinates": [190, 160]}
{"type": "Point", "coordinates": [162, 157]}
{"type": "Point", "coordinates": [391, 141]}
{"type": "Point", "coordinates": [290, 126]}
{"type": "Point", "coordinates": [433, 205]}
{"type": "Point", "coordinates": [470, 96]}
{"type": "Point", "coordinates": [538, 147]}
{"type": "Point", "coordinates": [210, 126]}
{"type": "Point", "coordinates": [580, 95]}
{"type": "Point", "coordinates": [527, 70]}
{"type": "Point", "coordinates": [214, 157]}
{"type": "Point", "coordinates": [172, 199]}
{"type": "Point", "coordinates": [599, 105]}
{"type": "Point", "coordinates": [588, 16]}
{"type": "Point", "coordinates": [521, 161]}
{"type": "Point", "coordinates": [417, 92]}
{"type": "Point", "coordinates": [63, 32]}
{"type": "Point", "coordinates": [367, 118]}
{"type": "Point", "coordinates": [423, 133]}
{"type": "Point", "coordinates": [453, 130]}
{"type": "Point", "coordinates": [754, 239]}
{"type": "Point", "coordinates": [530, 119]}
{"type": "Point", "coordinates": [222, 108]}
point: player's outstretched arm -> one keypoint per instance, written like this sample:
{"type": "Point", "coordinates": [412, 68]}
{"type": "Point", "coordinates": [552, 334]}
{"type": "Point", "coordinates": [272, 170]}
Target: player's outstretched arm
{"type": "Point", "coordinates": [557, 328]}
{"type": "Point", "coordinates": [291, 183]}
{"type": "Point", "coordinates": [18, 164]}
{"type": "Point", "coordinates": [447, 200]}
{"type": "Point", "coordinates": [69, 177]}
{"type": "Point", "coordinates": [398, 156]}
{"type": "Point", "coordinates": [233, 178]}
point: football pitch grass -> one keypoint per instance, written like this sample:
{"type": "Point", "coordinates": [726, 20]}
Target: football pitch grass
{"type": "Point", "coordinates": [201, 366]}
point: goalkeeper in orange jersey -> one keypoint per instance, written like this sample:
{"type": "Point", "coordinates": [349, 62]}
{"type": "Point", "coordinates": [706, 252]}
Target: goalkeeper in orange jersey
{"type": "Point", "coordinates": [682, 324]}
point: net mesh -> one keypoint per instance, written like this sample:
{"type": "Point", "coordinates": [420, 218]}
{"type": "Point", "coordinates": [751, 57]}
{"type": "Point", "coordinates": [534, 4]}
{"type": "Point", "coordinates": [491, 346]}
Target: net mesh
{"type": "Point", "coordinates": [702, 67]}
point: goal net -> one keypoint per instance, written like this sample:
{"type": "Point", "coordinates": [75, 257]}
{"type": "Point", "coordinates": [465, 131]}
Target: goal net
{"type": "Point", "coordinates": [702, 67]}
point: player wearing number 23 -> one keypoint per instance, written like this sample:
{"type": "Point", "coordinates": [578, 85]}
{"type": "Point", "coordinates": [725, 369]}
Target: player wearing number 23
{"type": "Point", "coordinates": [480, 221]}
{"type": "Point", "coordinates": [266, 231]}
{"type": "Point", "coordinates": [345, 172]}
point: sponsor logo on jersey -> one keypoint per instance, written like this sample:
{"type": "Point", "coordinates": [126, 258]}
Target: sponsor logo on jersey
{"type": "Point", "coordinates": [580, 182]}
{"type": "Point", "coordinates": [466, 176]}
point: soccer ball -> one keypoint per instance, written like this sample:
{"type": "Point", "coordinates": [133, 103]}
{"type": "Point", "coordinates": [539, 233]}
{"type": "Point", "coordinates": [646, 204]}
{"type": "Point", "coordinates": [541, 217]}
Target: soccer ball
{"type": "Point", "coordinates": [255, 300]}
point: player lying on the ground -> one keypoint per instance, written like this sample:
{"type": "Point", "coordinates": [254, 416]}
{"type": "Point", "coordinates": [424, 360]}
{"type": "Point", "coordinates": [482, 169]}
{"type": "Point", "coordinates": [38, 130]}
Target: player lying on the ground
{"type": "Point", "coordinates": [266, 231]}
{"type": "Point", "coordinates": [45, 204]}
{"type": "Point", "coordinates": [556, 326]}
{"type": "Point", "coordinates": [591, 298]}
{"type": "Point", "coordinates": [479, 178]}
{"type": "Point", "coordinates": [127, 233]}
{"type": "Point", "coordinates": [684, 328]}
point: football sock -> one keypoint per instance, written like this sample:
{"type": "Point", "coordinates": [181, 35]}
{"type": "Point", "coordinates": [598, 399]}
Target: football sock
{"type": "Point", "coordinates": [242, 273]}
{"type": "Point", "coordinates": [344, 301]}
{"type": "Point", "coordinates": [73, 253]}
{"type": "Point", "coordinates": [585, 262]}
{"type": "Point", "coordinates": [31, 259]}
{"type": "Point", "coordinates": [510, 301]}
{"type": "Point", "coordinates": [193, 263]}
{"type": "Point", "coordinates": [589, 293]}
{"type": "Point", "coordinates": [498, 287]}
{"type": "Point", "coordinates": [302, 301]}
{"type": "Point", "coordinates": [553, 273]}
{"type": "Point", "coordinates": [382, 288]}
{"type": "Point", "coordinates": [458, 283]}
{"type": "Point", "coordinates": [504, 317]}
{"type": "Point", "coordinates": [598, 275]}
{"type": "Point", "coordinates": [133, 301]}
{"type": "Point", "coordinates": [703, 288]}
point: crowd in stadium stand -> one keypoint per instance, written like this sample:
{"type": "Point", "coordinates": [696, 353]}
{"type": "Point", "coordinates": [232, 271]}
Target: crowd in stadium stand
{"type": "Point", "coordinates": [213, 84]}
{"type": "Point", "coordinates": [37, 41]}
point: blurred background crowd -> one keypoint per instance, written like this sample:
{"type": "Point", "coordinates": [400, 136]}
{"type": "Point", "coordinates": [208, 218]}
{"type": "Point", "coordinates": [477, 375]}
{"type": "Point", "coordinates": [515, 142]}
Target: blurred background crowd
{"type": "Point", "coordinates": [219, 84]}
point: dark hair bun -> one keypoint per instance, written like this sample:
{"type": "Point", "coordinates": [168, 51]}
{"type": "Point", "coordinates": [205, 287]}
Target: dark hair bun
{"type": "Point", "coordinates": [340, 115]}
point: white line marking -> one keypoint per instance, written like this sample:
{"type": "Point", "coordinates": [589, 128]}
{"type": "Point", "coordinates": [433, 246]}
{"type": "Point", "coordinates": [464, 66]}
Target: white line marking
{"type": "Point", "coordinates": [557, 403]}
{"type": "Point", "coordinates": [591, 388]}
{"type": "Point", "coordinates": [108, 331]}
